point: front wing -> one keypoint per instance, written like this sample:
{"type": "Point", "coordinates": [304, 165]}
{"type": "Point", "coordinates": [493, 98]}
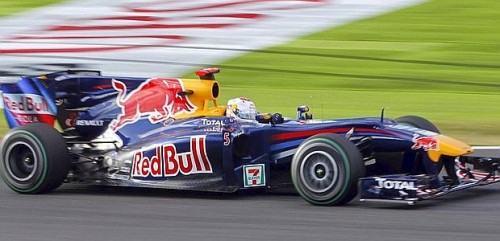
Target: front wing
{"type": "Point", "coordinates": [472, 171]}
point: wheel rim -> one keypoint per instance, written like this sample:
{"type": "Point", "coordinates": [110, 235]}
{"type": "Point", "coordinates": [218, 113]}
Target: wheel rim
{"type": "Point", "coordinates": [21, 161]}
{"type": "Point", "coordinates": [319, 170]}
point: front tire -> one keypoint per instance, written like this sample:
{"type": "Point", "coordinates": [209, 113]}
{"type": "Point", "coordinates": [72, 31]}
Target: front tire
{"type": "Point", "coordinates": [326, 168]}
{"type": "Point", "coordinates": [34, 159]}
{"type": "Point", "coordinates": [417, 121]}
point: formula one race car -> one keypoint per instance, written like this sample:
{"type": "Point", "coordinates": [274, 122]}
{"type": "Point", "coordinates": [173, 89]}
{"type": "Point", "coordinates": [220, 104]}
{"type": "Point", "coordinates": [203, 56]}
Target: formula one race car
{"type": "Point", "coordinates": [171, 133]}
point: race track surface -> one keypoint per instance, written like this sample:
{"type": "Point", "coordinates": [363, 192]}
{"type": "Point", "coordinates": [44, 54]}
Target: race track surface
{"type": "Point", "coordinates": [94, 213]}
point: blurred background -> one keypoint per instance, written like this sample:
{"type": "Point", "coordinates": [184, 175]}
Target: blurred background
{"type": "Point", "coordinates": [439, 59]}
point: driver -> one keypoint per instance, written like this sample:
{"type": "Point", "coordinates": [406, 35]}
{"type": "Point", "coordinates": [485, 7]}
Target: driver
{"type": "Point", "coordinates": [241, 108]}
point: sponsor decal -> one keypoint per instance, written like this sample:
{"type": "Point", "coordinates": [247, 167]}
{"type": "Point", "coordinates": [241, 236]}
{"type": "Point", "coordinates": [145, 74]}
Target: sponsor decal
{"type": "Point", "coordinates": [157, 99]}
{"type": "Point", "coordinates": [428, 143]}
{"type": "Point", "coordinates": [395, 184]}
{"type": "Point", "coordinates": [254, 175]}
{"type": "Point", "coordinates": [212, 122]}
{"type": "Point", "coordinates": [209, 125]}
{"type": "Point", "coordinates": [89, 123]}
{"type": "Point", "coordinates": [71, 119]}
{"type": "Point", "coordinates": [167, 162]}
{"type": "Point", "coordinates": [28, 108]}
{"type": "Point", "coordinates": [26, 104]}
{"type": "Point", "coordinates": [215, 125]}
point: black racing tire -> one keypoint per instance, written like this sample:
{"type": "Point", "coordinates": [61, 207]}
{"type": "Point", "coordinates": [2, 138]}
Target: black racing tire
{"type": "Point", "coordinates": [326, 168]}
{"type": "Point", "coordinates": [34, 158]}
{"type": "Point", "coordinates": [417, 121]}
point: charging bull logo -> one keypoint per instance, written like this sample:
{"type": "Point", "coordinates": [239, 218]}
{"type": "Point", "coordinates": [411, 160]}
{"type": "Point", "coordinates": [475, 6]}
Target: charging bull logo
{"type": "Point", "coordinates": [428, 143]}
{"type": "Point", "coordinates": [157, 99]}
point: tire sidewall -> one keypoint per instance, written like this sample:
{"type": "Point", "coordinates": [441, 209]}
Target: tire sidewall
{"type": "Point", "coordinates": [22, 137]}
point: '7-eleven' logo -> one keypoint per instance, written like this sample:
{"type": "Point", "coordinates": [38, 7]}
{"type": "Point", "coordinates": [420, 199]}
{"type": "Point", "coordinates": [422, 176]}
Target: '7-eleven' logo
{"type": "Point", "coordinates": [254, 175]}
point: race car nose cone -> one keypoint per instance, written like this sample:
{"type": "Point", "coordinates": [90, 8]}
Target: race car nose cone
{"type": "Point", "coordinates": [449, 147]}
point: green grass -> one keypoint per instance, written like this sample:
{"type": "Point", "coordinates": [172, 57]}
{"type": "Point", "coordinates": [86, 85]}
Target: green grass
{"type": "Point", "coordinates": [439, 60]}
{"type": "Point", "coordinates": [8, 7]}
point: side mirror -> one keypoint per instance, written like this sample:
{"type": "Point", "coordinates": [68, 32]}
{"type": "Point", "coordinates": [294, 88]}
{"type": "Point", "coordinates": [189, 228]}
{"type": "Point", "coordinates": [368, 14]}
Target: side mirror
{"type": "Point", "coordinates": [277, 118]}
{"type": "Point", "coordinates": [263, 118]}
{"type": "Point", "coordinates": [303, 109]}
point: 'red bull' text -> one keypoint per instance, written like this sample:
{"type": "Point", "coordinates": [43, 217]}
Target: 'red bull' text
{"type": "Point", "coordinates": [167, 162]}
{"type": "Point", "coordinates": [29, 104]}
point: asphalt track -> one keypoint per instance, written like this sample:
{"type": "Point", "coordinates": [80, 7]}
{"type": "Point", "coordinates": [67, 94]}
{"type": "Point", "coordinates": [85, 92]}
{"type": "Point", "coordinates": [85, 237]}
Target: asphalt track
{"type": "Point", "coordinates": [94, 213]}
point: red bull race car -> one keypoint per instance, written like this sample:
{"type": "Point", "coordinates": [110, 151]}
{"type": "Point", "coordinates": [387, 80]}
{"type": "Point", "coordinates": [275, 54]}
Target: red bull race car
{"type": "Point", "coordinates": [78, 126]}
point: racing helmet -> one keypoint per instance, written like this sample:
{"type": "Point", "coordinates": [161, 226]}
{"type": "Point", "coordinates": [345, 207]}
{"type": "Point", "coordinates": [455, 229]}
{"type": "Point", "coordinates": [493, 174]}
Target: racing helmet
{"type": "Point", "coordinates": [241, 108]}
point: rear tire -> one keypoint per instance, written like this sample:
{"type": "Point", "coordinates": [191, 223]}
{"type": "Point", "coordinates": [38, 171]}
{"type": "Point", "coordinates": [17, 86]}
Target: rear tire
{"type": "Point", "coordinates": [326, 168]}
{"type": "Point", "coordinates": [34, 158]}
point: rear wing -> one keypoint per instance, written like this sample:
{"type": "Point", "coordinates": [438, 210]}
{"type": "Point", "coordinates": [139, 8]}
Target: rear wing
{"type": "Point", "coordinates": [27, 101]}
{"type": "Point", "coordinates": [30, 100]}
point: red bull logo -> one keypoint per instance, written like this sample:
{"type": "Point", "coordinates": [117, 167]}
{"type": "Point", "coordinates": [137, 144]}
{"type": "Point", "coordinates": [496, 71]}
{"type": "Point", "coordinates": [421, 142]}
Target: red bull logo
{"type": "Point", "coordinates": [158, 99]}
{"type": "Point", "coordinates": [28, 108]}
{"type": "Point", "coordinates": [167, 162]}
{"type": "Point", "coordinates": [428, 143]}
